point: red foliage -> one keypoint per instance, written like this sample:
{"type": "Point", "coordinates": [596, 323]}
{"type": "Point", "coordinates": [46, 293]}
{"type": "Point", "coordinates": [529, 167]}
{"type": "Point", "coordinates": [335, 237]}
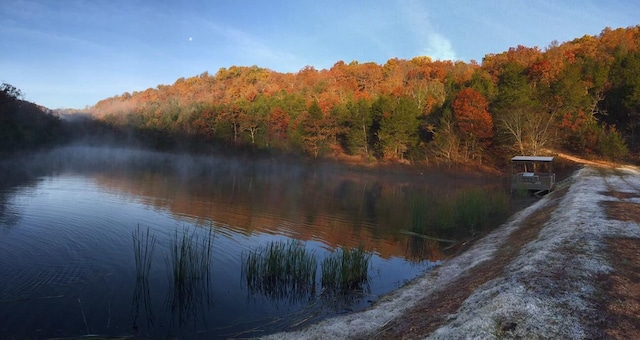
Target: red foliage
{"type": "Point", "coordinates": [540, 71]}
{"type": "Point", "coordinates": [473, 118]}
{"type": "Point", "coordinates": [574, 122]}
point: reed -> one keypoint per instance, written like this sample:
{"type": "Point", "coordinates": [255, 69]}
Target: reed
{"type": "Point", "coordinates": [346, 269]}
{"type": "Point", "coordinates": [189, 264]}
{"type": "Point", "coordinates": [281, 269]}
{"type": "Point", "coordinates": [476, 210]}
{"type": "Point", "coordinates": [144, 245]}
{"type": "Point", "coordinates": [458, 215]}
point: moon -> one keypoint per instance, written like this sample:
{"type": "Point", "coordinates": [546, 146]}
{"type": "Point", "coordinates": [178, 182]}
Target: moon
{"type": "Point", "coordinates": [190, 38]}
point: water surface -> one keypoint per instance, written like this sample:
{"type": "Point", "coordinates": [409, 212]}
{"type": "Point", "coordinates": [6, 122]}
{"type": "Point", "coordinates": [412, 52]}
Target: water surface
{"type": "Point", "coordinates": [67, 220]}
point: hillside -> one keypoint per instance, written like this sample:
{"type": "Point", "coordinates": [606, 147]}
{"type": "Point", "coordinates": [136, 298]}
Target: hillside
{"type": "Point", "coordinates": [581, 95]}
{"type": "Point", "coordinates": [25, 125]}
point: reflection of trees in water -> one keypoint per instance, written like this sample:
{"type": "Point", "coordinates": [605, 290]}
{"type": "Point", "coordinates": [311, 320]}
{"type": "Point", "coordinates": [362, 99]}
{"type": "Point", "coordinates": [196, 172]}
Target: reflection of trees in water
{"type": "Point", "coordinates": [342, 206]}
{"type": "Point", "coordinates": [16, 175]}
{"type": "Point", "coordinates": [419, 248]}
{"type": "Point", "coordinates": [9, 214]}
{"type": "Point", "coordinates": [339, 206]}
{"type": "Point", "coordinates": [441, 221]}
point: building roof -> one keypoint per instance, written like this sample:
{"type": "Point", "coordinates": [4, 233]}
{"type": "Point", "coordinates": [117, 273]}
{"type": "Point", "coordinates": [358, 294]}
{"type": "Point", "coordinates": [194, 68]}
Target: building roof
{"type": "Point", "coordinates": [532, 159]}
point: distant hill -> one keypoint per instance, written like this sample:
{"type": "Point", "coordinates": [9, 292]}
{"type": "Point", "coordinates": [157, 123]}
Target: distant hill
{"type": "Point", "coordinates": [582, 95]}
{"type": "Point", "coordinates": [25, 125]}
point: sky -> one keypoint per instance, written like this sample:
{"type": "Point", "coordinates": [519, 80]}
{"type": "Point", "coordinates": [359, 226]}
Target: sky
{"type": "Point", "coordinates": [73, 53]}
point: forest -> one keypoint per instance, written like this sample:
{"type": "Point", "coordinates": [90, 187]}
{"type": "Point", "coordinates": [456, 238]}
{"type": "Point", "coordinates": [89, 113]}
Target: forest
{"type": "Point", "coordinates": [581, 96]}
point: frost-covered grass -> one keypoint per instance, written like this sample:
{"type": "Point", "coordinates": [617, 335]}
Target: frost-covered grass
{"type": "Point", "coordinates": [547, 290]}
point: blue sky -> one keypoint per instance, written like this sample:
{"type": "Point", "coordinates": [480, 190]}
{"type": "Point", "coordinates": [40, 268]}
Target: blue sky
{"type": "Point", "coordinates": [73, 53]}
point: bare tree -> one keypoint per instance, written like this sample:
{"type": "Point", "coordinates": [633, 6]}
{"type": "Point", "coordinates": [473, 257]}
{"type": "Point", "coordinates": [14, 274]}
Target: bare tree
{"type": "Point", "coordinates": [528, 130]}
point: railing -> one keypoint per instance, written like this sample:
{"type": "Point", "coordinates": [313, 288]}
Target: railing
{"type": "Point", "coordinates": [533, 181]}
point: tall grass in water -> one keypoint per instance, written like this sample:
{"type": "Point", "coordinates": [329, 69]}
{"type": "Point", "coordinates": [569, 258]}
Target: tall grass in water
{"type": "Point", "coordinates": [346, 269]}
{"type": "Point", "coordinates": [476, 210]}
{"type": "Point", "coordinates": [458, 215]}
{"type": "Point", "coordinates": [189, 264]}
{"type": "Point", "coordinates": [144, 245]}
{"type": "Point", "coordinates": [424, 244]}
{"type": "Point", "coordinates": [281, 270]}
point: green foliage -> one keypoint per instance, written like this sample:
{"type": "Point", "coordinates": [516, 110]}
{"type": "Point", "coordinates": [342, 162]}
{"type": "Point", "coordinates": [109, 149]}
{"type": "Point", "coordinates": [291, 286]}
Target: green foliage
{"type": "Point", "coordinates": [357, 127]}
{"type": "Point", "coordinates": [513, 88]}
{"type": "Point", "coordinates": [481, 82]}
{"type": "Point", "coordinates": [317, 131]}
{"type": "Point", "coordinates": [622, 100]}
{"type": "Point", "coordinates": [612, 145]}
{"type": "Point", "coordinates": [9, 93]}
{"type": "Point", "coordinates": [399, 128]}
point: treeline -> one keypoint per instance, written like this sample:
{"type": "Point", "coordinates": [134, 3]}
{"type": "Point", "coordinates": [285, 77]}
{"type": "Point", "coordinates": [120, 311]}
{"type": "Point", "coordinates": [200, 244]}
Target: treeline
{"type": "Point", "coordinates": [25, 125]}
{"type": "Point", "coordinates": [582, 95]}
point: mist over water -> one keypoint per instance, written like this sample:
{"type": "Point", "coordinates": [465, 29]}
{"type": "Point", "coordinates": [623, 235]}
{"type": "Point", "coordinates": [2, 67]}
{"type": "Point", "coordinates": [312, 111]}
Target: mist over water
{"type": "Point", "coordinates": [67, 255]}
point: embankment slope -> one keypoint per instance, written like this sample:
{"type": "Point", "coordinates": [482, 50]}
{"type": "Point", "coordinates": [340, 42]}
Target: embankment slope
{"type": "Point", "coordinates": [550, 272]}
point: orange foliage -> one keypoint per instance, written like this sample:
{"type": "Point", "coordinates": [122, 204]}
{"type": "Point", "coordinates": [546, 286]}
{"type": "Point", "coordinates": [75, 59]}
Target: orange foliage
{"type": "Point", "coordinates": [626, 39]}
{"type": "Point", "coordinates": [277, 101]}
{"type": "Point", "coordinates": [540, 71]}
{"type": "Point", "coordinates": [278, 123]}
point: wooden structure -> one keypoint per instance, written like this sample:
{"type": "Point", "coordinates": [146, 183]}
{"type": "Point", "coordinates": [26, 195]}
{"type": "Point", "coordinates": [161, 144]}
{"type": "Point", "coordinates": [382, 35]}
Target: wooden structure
{"type": "Point", "coordinates": [532, 173]}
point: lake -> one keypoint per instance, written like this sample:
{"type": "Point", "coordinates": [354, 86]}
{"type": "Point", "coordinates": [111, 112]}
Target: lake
{"type": "Point", "coordinates": [88, 239]}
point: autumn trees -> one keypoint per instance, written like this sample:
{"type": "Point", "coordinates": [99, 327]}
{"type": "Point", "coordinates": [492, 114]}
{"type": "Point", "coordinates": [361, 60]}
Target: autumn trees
{"type": "Point", "coordinates": [580, 95]}
{"type": "Point", "coordinates": [474, 122]}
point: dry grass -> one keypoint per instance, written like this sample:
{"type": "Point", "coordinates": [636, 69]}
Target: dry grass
{"type": "Point", "coordinates": [622, 290]}
{"type": "Point", "coordinates": [623, 211]}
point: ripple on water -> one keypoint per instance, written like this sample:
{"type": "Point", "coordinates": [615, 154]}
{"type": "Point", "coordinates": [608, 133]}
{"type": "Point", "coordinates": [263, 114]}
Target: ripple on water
{"type": "Point", "coordinates": [68, 234]}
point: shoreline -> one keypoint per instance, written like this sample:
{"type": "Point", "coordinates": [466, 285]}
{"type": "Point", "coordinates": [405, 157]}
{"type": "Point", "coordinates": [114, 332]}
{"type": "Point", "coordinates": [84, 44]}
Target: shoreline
{"type": "Point", "coordinates": [538, 275]}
